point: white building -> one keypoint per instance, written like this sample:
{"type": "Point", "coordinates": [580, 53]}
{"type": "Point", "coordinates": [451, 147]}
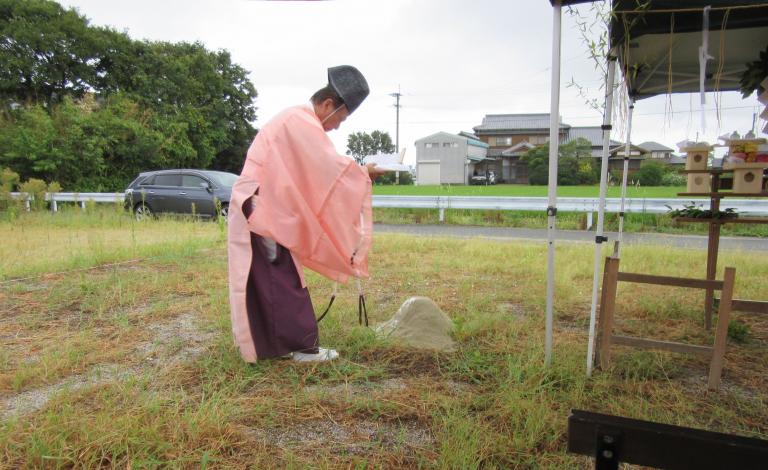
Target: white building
{"type": "Point", "coordinates": [444, 158]}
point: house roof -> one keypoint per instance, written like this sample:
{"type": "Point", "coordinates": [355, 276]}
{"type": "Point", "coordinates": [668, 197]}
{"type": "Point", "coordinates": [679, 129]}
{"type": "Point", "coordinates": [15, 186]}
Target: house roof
{"type": "Point", "coordinates": [518, 149]}
{"type": "Point", "coordinates": [635, 151]}
{"type": "Point", "coordinates": [652, 146]}
{"type": "Point", "coordinates": [513, 122]}
{"type": "Point", "coordinates": [673, 160]}
{"type": "Point", "coordinates": [594, 134]}
{"type": "Point", "coordinates": [454, 137]}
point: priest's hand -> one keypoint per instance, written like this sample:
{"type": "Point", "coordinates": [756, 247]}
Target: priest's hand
{"type": "Point", "coordinates": [374, 172]}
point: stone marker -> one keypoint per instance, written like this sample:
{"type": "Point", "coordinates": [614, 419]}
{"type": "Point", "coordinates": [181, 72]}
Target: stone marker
{"type": "Point", "coordinates": [419, 323]}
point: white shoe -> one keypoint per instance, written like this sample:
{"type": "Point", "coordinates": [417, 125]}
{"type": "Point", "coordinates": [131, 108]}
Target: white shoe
{"type": "Point", "coordinates": [322, 356]}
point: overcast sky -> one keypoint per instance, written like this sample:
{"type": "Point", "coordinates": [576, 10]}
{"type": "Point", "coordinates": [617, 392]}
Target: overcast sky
{"type": "Point", "coordinates": [453, 61]}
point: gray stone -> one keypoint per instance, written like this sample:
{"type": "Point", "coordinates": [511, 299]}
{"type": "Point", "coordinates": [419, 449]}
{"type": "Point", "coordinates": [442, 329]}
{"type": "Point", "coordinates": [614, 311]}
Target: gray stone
{"type": "Point", "coordinates": [419, 323]}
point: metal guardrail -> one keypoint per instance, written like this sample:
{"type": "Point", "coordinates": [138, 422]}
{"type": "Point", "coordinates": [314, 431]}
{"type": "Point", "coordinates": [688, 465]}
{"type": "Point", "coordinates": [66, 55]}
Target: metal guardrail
{"type": "Point", "coordinates": [752, 207]}
{"type": "Point", "coordinates": [80, 198]}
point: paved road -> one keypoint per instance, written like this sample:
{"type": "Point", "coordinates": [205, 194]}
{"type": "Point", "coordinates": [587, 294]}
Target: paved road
{"type": "Point", "coordinates": [509, 234]}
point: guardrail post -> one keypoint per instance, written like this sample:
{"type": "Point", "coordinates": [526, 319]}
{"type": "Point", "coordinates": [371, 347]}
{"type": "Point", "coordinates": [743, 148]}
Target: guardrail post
{"type": "Point", "coordinates": [27, 205]}
{"type": "Point", "coordinates": [442, 215]}
{"type": "Point", "coordinates": [589, 220]}
{"type": "Point", "coordinates": [54, 206]}
{"type": "Point", "coordinates": [82, 205]}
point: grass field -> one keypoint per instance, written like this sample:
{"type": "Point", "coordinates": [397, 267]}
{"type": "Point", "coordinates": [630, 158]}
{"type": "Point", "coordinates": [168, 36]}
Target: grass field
{"type": "Point", "coordinates": [524, 190]}
{"type": "Point", "coordinates": [634, 222]}
{"type": "Point", "coordinates": [132, 365]}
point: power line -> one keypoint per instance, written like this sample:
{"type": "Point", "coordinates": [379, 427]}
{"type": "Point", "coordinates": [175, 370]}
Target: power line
{"type": "Point", "coordinates": [585, 117]}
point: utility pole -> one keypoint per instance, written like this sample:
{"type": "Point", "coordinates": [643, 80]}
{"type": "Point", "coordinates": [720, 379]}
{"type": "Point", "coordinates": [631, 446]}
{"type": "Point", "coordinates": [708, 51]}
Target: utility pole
{"type": "Point", "coordinates": [397, 127]}
{"type": "Point", "coordinates": [397, 117]}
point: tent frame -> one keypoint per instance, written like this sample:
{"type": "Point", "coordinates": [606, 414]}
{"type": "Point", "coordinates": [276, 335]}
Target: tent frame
{"type": "Point", "coordinates": [615, 41]}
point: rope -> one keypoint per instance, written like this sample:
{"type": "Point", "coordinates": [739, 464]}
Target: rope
{"type": "Point", "coordinates": [333, 297]}
{"type": "Point", "coordinates": [668, 101]}
{"type": "Point", "coordinates": [362, 311]}
{"type": "Point", "coordinates": [720, 67]}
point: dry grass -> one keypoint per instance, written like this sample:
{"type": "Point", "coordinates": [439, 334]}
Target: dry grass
{"type": "Point", "coordinates": [133, 365]}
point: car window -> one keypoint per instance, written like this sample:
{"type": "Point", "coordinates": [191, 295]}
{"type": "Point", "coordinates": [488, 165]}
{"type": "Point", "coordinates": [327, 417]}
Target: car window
{"type": "Point", "coordinates": [147, 180]}
{"type": "Point", "coordinates": [167, 179]}
{"type": "Point", "coordinates": [223, 178]}
{"type": "Point", "coordinates": [192, 181]}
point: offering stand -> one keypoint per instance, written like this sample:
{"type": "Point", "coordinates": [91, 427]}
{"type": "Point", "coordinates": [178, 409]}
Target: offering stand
{"type": "Point", "coordinates": [713, 243]}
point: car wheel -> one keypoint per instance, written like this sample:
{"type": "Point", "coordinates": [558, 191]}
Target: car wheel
{"type": "Point", "coordinates": [142, 212]}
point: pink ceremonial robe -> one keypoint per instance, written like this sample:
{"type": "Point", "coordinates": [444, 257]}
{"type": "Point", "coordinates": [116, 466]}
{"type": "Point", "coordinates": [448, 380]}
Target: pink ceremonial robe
{"type": "Point", "coordinates": [306, 197]}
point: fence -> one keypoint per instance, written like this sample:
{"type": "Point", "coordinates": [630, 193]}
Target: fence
{"type": "Point", "coordinates": [751, 207]}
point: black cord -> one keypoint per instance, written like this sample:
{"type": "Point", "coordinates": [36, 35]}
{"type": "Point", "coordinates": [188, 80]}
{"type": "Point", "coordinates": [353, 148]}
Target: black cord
{"type": "Point", "coordinates": [362, 311]}
{"type": "Point", "coordinates": [327, 309]}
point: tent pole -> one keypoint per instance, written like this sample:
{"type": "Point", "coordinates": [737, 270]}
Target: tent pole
{"type": "Point", "coordinates": [599, 237]}
{"type": "Point", "coordinates": [627, 153]}
{"type": "Point", "coordinates": [554, 143]}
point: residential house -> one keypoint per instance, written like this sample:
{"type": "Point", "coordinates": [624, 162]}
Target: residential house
{"type": "Point", "coordinates": [659, 153]}
{"type": "Point", "coordinates": [616, 159]}
{"type": "Point", "coordinates": [444, 158]}
{"type": "Point", "coordinates": [506, 135]}
{"type": "Point", "coordinates": [509, 136]}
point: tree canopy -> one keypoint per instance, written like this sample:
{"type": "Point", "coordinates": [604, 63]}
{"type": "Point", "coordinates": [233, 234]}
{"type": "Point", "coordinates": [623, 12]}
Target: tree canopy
{"type": "Point", "coordinates": [575, 164]}
{"type": "Point", "coordinates": [90, 107]}
{"type": "Point", "coordinates": [362, 144]}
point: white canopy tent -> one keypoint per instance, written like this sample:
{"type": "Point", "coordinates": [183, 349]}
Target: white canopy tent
{"type": "Point", "coordinates": [662, 46]}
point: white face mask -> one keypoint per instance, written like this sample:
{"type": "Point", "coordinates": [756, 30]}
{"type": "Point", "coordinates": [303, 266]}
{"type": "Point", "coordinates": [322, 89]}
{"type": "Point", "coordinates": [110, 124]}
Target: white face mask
{"type": "Point", "coordinates": [329, 116]}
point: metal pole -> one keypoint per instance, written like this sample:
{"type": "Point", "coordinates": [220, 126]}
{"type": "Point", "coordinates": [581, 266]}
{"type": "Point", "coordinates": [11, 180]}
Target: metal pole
{"type": "Point", "coordinates": [397, 118]}
{"type": "Point", "coordinates": [599, 237]}
{"type": "Point", "coordinates": [397, 128]}
{"type": "Point", "coordinates": [627, 153]}
{"type": "Point", "coordinates": [554, 144]}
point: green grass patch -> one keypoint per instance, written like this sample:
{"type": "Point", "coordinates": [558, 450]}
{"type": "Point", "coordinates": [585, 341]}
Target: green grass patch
{"type": "Point", "coordinates": [133, 366]}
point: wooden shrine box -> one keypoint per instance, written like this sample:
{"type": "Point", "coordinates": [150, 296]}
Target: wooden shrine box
{"type": "Point", "coordinates": [696, 157]}
{"type": "Point", "coordinates": [748, 177]}
{"type": "Point", "coordinates": [698, 183]}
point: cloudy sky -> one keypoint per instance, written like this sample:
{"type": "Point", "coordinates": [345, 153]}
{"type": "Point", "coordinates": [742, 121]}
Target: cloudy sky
{"type": "Point", "coordinates": [453, 61]}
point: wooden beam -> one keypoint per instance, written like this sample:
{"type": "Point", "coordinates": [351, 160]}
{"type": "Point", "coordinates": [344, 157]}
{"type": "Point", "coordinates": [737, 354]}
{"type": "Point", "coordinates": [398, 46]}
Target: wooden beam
{"type": "Point", "coordinates": [670, 281]}
{"type": "Point", "coordinates": [607, 309]}
{"type": "Point", "coordinates": [755, 306]}
{"type": "Point", "coordinates": [659, 445]}
{"type": "Point", "coordinates": [721, 333]}
{"type": "Point", "coordinates": [662, 345]}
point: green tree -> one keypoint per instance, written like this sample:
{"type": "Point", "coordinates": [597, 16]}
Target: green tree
{"type": "Point", "coordinates": [188, 84]}
{"type": "Point", "coordinates": [390, 178]}
{"type": "Point", "coordinates": [46, 52]}
{"type": "Point", "coordinates": [170, 104]}
{"type": "Point", "coordinates": [575, 164]}
{"type": "Point", "coordinates": [362, 144]}
{"type": "Point", "coordinates": [650, 174]}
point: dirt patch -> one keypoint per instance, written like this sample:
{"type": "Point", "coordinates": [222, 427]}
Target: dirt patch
{"type": "Point", "coordinates": [406, 362]}
{"type": "Point", "coordinates": [355, 389]}
{"type": "Point", "coordinates": [173, 342]}
{"type": "Point", "coordinates": [356, 438]}
{"type": "Point", "coordinates": [393, 385]}
{"type": "Point", "coordinates": [516, 311]}
{"type": "Point", "coordinates": [34, 400]}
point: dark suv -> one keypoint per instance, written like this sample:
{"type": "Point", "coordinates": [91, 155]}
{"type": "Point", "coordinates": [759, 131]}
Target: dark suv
{"type": "Point", "coordinates": [193, 192]}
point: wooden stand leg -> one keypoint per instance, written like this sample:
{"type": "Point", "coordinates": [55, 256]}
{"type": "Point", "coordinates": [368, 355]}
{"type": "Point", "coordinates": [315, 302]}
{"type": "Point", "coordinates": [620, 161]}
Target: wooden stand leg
{"type": "Point", "coordinates": [607, 307]}
{"type": "Point", "coordinates": [721, 334]}
{"type": "Point", "coordinates": [713, 245]}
